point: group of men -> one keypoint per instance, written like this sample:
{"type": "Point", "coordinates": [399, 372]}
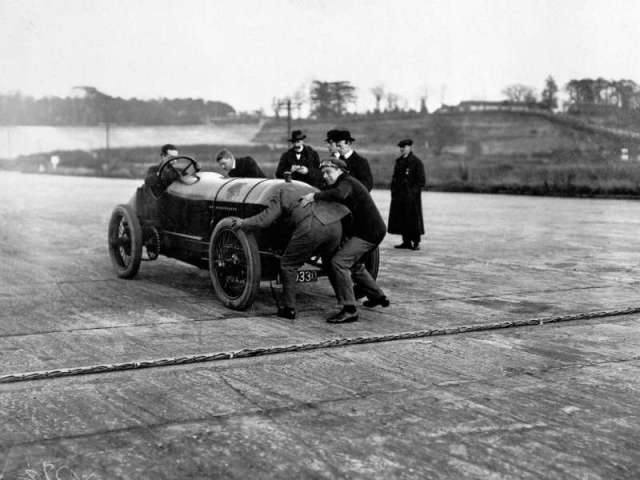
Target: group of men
{"type": "Point", "coordinates": [340, 223]}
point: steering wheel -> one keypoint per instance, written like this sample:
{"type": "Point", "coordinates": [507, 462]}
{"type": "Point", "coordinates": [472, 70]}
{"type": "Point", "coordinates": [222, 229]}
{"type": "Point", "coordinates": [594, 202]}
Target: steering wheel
{"type": "Point", "coordinates": [169, 164]}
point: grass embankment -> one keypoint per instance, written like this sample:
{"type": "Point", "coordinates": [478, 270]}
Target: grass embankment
{"type": "Point", "coordinates": [562, 173]}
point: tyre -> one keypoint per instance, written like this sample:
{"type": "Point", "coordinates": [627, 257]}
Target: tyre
{"type": "Point", "coordinates": [234, 265]}
{"type": "Point", "coordinates": [371, 262]}
{"type": "Point", "coordinates": [125, 241]}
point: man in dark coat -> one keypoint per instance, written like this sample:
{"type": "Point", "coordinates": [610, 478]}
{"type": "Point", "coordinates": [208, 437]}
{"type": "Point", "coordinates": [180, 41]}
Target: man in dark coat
{"type": "Point", "coordinates": [365, 233]}
{"type": "Point", "coordinates": [301, 160]}
{"type": "Point", "coordinates": [238, 167]}
{"type": "Point", "coordinates": [358, 166]}
{"type": "Point", "coordinates": [405, 213]}
{"type": "Point", "coordinates": [316, 231]}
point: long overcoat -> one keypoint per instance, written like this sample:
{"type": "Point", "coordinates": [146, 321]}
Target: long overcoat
{"type": "Point", "coordinates": [405, 213]}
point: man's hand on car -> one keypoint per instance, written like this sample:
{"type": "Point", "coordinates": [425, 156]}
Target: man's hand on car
{"type": "Point", "coordinates": [306, 199]}
{"type": "Point", "coordinates": [236, 223]}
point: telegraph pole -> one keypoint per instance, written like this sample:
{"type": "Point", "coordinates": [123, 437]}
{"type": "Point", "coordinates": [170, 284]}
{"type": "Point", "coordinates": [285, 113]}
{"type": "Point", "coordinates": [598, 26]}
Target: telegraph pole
{"type": "Point", "coordinates": [288, 117]}
{"type": "Point", "coordinates": [101, 101]}
{"type": "Point", "coordinates": [284, 102]}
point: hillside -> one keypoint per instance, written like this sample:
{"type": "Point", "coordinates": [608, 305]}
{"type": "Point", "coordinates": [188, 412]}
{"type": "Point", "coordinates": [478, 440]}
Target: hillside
{"type": "Point", "coordinates": [485, 133]}
{"type": "Point", "coordinates": [491, 152]}
{"type": "Point", "coordinates": [498, 152]}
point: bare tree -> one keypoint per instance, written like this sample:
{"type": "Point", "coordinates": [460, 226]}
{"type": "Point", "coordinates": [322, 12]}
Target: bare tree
{"type": "Point", "coordinates": [550, 94]}
{"type": "Point", "coordinates": [392, 102]}
{"type": "Point", "coordinates": [378, 93]}
{"type": "Point", "coordinates": [276, 105]}
{"type": "Point", "coordinates": [423, 101]}
{"type": "Point", "coordinates": [519, 93]}
{"type": "Point", "coordinates": [300, 97]}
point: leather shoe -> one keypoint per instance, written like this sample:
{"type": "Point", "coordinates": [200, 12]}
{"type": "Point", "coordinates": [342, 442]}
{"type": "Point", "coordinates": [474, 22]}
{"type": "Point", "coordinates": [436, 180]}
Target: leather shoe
{"type": "Point", "coordinates": [343, 317]}
{"type": "Point", "coordinates": [415, 246]}
{"type": "Point", "coordinates": [374, 302]}
{"type": "Point", "coordinates": [403, 245]}
{"type": "Point", "coordinates": [286, 312]}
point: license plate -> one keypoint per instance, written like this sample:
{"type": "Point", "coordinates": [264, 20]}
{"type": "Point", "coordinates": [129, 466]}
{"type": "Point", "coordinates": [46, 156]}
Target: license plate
{"type": "Point", "coordinates": [305, 276]}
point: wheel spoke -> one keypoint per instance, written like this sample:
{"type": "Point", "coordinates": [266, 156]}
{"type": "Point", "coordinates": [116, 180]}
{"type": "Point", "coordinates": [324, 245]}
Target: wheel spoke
{"type": "Point", "coordinates": [230, 260]}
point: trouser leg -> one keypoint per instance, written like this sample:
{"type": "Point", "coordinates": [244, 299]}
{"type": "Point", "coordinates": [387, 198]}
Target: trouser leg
{"type": "Point", "coordinates": [342, 263]}
{"type": "Point", "coordinates": [298, 251]}
{"type": "Point", "coordinates": [366, 282]}
{"type": "Point", "coordinates": [328, 249]}
{"type": "Point", "coordinates": [316, 239]}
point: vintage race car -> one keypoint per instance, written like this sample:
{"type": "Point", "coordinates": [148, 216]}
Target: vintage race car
{"type": "Point", "coordinates": [183, 213]}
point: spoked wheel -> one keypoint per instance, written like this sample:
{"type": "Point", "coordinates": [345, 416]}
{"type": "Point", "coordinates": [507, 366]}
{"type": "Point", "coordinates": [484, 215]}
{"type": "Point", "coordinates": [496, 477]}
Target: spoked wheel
{"type": "Point", "coordinates": [234, 265]}
{"type": "Point", "coordinates": [125, 241]}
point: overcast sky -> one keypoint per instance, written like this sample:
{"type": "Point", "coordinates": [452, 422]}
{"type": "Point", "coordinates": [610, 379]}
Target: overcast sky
{"type": "Point", "coordinates": [247, 51]}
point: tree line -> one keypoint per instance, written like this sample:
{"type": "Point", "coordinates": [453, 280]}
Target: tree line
{"type": "Point", "coordinates": [325, 100]}
{"type": "Point", "coordinates": [92, 107]}
{"type": "Point", "coordinates": [334, 99]}
{"type": "Point", "coordinates": [622, 94]}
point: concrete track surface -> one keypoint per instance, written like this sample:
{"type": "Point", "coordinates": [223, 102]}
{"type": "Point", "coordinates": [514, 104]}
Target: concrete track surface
{"type": "Point", "coordinates": [547, 401]}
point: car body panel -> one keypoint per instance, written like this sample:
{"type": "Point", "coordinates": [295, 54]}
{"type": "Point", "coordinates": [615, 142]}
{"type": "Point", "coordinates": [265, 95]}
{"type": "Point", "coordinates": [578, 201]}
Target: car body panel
{"type": "Point", "coordinates": [188, 210]}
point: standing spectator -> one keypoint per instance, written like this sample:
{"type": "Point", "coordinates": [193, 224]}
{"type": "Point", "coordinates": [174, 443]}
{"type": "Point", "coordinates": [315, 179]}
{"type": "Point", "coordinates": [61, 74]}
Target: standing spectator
{"type": "Point", "coordinates": [301, 160]}
{"type": "Point", "coordinates": [358, 166]}
{"type": "Point", "coordinates": [365, 233]}
{"type": "Point", "coordinates": [332, 147]}
{"type": "Point", "coordinates": [405, 213]}
{"type": "Point", "coordinates": [238, 167]}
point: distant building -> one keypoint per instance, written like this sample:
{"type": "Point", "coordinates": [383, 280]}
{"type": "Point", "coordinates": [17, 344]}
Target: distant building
{"type": "Point", "coordinates": [489, 106]}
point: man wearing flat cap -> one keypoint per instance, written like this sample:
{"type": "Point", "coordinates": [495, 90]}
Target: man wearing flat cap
{"type": "Point", "coordinates": [301, 160]}
{"type": "Point", "coordinates": [358, 166]}
{"type": "Point", "coordinates": [365, 233]}
{"type": "Point", "coordinates": [405, 212]}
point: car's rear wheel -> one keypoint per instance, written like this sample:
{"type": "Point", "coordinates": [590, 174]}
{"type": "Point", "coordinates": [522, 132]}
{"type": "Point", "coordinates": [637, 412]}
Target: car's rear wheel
{"type": "Point", "coordinates": [234, 265]}
{"type": "Point", "coordinates": [372, 262]}
{"type": "Point", "coordinates": [125, 241]}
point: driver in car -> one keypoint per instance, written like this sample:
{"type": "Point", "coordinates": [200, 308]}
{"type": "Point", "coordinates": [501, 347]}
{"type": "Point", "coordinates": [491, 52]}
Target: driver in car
{"type": "Point", "coordinates": [156, 184]}
{"type": "Point", "coordinates": [316, 231]}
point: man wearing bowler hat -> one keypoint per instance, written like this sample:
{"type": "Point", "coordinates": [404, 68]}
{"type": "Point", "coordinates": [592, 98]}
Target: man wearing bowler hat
{"type": "Point", "coordinates": [332, 139]}
{"type": "Point", "coordinates": [301, 160]}
{"type": "Point", "coordinates": [405, 212]}
{"type": "Point", "coordinates": [358, 166]}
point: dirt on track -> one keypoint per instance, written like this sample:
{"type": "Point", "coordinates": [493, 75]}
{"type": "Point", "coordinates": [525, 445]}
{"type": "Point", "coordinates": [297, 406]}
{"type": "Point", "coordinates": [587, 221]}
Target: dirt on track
{"type": "Point", "coordinates": [423, 408]}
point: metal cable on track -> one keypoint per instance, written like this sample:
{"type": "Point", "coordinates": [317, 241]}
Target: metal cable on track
{"type": "Point", "coordinates": [332, 343]}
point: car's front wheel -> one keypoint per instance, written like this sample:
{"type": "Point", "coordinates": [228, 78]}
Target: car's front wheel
{"type": "Point", "coordinates": [234, 265]}
{"type": "Point", "coordinates": [125, 241]}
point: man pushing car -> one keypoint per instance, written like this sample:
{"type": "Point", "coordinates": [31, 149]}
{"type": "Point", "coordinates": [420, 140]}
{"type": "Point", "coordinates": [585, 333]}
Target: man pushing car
{"type": "Point", "coordinates": [316, 231]}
